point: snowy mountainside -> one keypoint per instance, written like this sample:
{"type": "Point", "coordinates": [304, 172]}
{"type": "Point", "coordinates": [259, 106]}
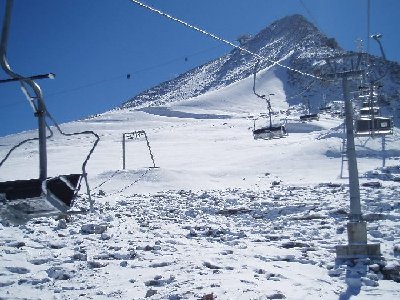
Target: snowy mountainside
{"type": "Point", "coordinates": [294, 42]}
{"type": "Point", "coordinates": [276, 42]}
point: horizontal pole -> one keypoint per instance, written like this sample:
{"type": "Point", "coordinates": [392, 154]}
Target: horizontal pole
{"type": "Point", "coordinates": [42, 76]}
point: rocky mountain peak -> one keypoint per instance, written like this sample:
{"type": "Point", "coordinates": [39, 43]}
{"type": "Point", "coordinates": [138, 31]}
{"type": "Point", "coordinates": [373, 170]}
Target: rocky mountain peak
{"type": "Point", "coordinates": [292, 40]}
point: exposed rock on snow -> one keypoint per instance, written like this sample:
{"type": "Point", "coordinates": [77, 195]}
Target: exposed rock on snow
{"type": "Point", "coordinates": [6, 283]}
{"type": "Point", "coordinates": [93, 229]}
{"type": "Point", "coordinates": [18, 270]}
{"type": "Point", "coordinates": [59, 273]}
{"type": "Point", "coordinates": [95, 264]}
{"type": "Point", "coordinates": [392, 272]}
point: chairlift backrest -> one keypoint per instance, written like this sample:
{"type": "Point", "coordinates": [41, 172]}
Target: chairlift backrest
{"type": "Point", "coordinates": [374, 125]}
{"type": "Point", "coordinates": [325, 108]}
{"type": "Point", "coordinates": [309, 117]}
{"type": "Point", "coordinates": [268, 132]}
{"type": "Point", "coordinates": [369, 103]}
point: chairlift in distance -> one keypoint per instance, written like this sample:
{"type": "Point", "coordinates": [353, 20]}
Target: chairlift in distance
{"type": "Point", "coordinates": [308, 117]}
{"type": "Point", "coordinates": [337, 108]}
{"type": "Point", "coordinates": [273, 130]}
{"type": "Point", "coordinates": [325, 107]}
{"type": "Point", "coordinates": [370, 123]}
{"type": "Point", "coordinates": [369, 111]}
{"type": "Point", "coordinates": [44, 196]}
{"type": "Point", "coordinates": [268, 132]}
{"type": "Point", "coordinates": [368, 103]}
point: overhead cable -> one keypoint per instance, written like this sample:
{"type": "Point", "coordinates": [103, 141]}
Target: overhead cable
{"type": "Point", "coordinates": [168, 16]}
{"type": "Point", "coordinates": [310, 14]}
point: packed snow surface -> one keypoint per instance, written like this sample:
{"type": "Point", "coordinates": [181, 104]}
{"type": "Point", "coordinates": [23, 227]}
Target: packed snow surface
{"type": "Point", "coordinates": [224, 216]}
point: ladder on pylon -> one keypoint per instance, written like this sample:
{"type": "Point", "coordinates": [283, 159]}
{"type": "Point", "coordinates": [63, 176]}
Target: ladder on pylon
{"type": "Point", "coordinates": [343, 151]}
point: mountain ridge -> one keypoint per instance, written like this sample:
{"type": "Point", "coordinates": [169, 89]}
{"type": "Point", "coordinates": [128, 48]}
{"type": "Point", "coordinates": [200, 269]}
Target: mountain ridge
{"type": "Point", "coordinates": [294, 42]}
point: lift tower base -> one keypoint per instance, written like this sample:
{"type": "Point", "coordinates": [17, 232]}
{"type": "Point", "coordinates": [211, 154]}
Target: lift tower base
{"type": "Point", "coordinates": [358, 246]}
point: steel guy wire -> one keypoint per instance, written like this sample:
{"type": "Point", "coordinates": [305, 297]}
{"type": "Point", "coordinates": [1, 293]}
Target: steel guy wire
{"type": "Point", "coordinates": [168, 16]}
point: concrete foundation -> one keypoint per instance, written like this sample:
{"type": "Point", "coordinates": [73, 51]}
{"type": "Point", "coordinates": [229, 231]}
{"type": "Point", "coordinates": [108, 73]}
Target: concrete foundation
{"type": "Point", "coordinates": [358, 251]}
{"type": "Point", "coordinates": [357, 232]}
{"type": "Point", "coordinates": [358, 246]}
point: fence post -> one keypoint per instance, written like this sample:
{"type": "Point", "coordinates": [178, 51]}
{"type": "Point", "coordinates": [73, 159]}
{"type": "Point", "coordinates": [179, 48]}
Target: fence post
{"type": "Point", "coordinates": [123, 151]}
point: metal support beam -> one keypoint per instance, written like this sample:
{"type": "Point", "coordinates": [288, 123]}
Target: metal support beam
{"type": "Point", "coordinates": [356, 228]}
{"type": "Point", "coordinates": [383, 151]}
{"type": "Point", "coordinates": [34, 77]}
{"type": "Point", "coordinates": [355, 206]}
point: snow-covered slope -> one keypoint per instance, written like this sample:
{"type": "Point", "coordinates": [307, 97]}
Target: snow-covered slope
{"type": "Point", "coordinates": [223, 217]}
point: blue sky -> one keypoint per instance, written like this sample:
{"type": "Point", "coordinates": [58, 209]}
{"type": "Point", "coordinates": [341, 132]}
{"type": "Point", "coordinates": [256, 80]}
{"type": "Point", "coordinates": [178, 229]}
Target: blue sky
{"type": "Point", "coordinates": [92, 45]}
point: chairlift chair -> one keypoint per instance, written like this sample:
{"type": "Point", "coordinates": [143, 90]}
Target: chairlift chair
{"type": "Point", "coordinates": [273, 130]}
{"type": "Point", "coordinates": [369, 111]}
{"type": "Point", "coordinates": [24, 199]}
{"type": "Point", "coordinates": [368, 103]}
{"type": "Point", "coordinates": [373, 126]}
{"type": "Point", "coordinates": [308, 117]}
{"type": "Point", "coordinates": [24, 196]}
{"type": "Point", "coordinates": [269, 132]}
{"type": "Point", "coordinates": [337, 109]}
{"type": "Point", "coordinates": [325, 107]}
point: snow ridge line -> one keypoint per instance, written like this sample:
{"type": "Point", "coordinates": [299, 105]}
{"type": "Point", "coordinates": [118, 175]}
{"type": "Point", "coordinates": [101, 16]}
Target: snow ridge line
{"type": "Point", "coordinates": [168, 16]}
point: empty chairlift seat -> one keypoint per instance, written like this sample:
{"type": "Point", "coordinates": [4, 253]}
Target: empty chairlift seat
{"type": "Point", "coordinates": [309, 117]}
{"type": "Point", "coordinates": [368, 104]}
{"type": "Point", "coordinates": [270, 132]}
{"type": "Point", "coordinates": [374, 126]}
{"type": "Point", "coordinates": [327, 108]}
{"type": "Point", "coordinates": [28, 196]}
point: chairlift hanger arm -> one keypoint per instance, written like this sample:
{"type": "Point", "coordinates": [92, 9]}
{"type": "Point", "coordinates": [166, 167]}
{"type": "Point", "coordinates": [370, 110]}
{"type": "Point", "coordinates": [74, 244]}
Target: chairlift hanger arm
{"type": "Point", "coordinates": [41, 111]}
{"type": "Point", "coordinates": [264, 97]}
{"type": "Point", "coordinates": [3, 58]}
{"type": "Point", "coordinates": [254, 81]}
{"type": "Point", "coordinates": [377, 37]}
